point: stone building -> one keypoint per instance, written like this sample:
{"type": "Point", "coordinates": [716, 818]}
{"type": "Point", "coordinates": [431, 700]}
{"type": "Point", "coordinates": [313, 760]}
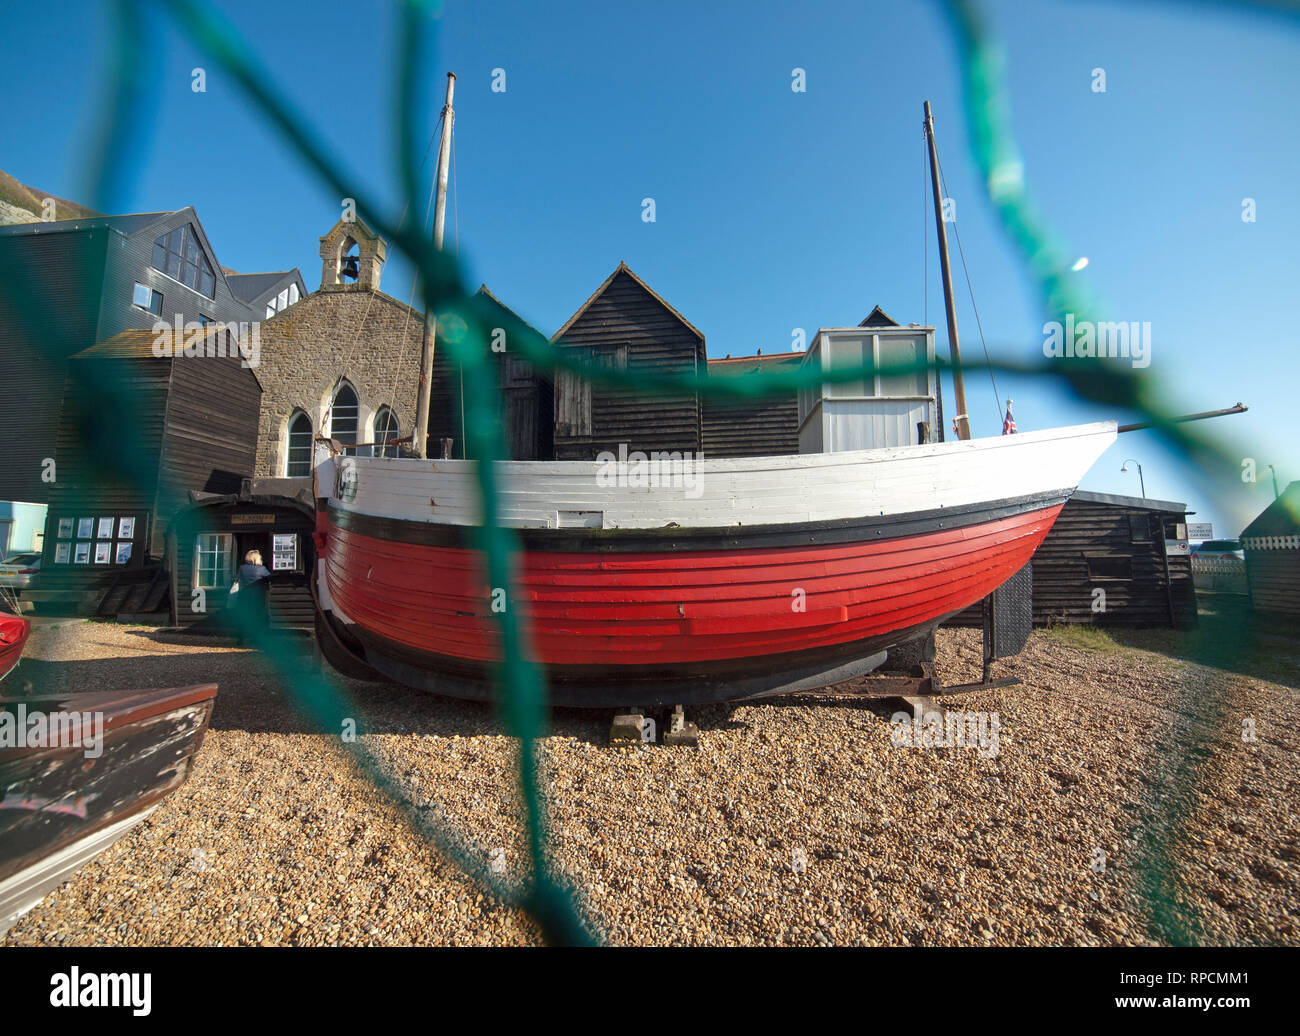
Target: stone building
{"type": "Point", "coordinates": [344, 362]}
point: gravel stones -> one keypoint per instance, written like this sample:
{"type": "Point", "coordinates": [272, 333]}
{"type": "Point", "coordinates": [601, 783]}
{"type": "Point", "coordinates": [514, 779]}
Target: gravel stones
{"type": "Point", "coordinates": [795, 823]}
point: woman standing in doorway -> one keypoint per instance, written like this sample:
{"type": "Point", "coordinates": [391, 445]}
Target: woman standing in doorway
{"type": "Point", "coordinates": [250, 611]}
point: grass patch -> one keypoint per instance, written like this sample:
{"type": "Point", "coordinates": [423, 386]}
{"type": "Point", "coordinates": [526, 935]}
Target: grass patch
{"type": "Point", "coordinates": [1228, 637]}
{"type": "Point", "coordinates": [1083, 638]}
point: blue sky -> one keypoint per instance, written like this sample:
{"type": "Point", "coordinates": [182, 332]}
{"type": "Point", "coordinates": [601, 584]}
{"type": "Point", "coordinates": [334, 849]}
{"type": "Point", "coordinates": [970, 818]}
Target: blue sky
{"type": "Point", "coordinates": [775, 210]}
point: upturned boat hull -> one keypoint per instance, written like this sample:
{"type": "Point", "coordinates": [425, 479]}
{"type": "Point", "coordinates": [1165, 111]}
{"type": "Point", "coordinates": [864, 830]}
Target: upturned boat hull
{"type": "Point", "coordinates": [78, 771]}
{"type": "Point", "coordinates": [640, 607]}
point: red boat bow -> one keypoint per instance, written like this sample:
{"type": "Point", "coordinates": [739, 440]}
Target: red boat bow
{"type": "Point", "coordinates": [14, 630]}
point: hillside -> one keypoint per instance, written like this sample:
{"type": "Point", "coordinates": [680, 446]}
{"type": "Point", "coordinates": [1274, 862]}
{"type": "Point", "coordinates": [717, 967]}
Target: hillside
{"type": "Point", "coordinates": [22, 204]}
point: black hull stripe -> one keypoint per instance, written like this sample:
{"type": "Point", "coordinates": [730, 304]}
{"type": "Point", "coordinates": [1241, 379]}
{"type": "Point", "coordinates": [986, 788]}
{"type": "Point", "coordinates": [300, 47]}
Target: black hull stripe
{"type": "Point", "coordinates": [650, 686]}
{"type": "Point", "coordinates": [750, 537]}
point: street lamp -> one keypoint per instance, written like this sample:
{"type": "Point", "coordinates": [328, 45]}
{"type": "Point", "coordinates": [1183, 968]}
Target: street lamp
{"type": "Point", "coordinates": [1141, 480]}
{"type": "Point", "coordinates": [1274, 471]}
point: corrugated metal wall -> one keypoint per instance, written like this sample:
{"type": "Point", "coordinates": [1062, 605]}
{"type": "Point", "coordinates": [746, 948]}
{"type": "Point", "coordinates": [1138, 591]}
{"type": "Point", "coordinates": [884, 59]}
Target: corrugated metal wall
{"type": "Point", "coordinates": [54, 279]}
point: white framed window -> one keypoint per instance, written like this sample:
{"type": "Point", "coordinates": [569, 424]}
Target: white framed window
{"type": "Point", "coordinates": [385, 428]}
{"type": "Point", "coordinates": [212, 560]}
{"type": "Point", "coordinates": [345, 416]}
{"type": "Point", "coordinates": [146, 298]}
{"type": "Point", "coordinates": [298, 440]}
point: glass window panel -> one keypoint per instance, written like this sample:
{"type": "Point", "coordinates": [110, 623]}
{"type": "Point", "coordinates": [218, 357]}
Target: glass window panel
{"type": "Point", "coordinates": [299, 452]}
{"type": "Point", "coordinates": [156, 303]}
{"type": "Point", "coordinates": [174, 265]}
{"type": "Point", "coordinates": [344, 415]}
{"type": "Point", "coordinates": [159, 256]}
{"type": "Point", "coordinates": [385, 429]}
{"type": "Point", "coordinates": [174, 241]}
{"type": "Point", "coordinates": [293, 294]}
{"type": "Point", "coordinates": [899, 351]}
{"type": "Point", "coordinates": [282, 299]}
{"type": "Point", "coordinates": [142, 295]}
{"type": "Point", "coordinates": [212, 560]}
{"type": "Point", "coordinates": [844, 354]}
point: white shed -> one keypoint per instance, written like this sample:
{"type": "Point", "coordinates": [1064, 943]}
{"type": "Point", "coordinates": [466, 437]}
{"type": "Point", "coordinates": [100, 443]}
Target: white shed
{"type": "Point", "coordinates": [882, 409]}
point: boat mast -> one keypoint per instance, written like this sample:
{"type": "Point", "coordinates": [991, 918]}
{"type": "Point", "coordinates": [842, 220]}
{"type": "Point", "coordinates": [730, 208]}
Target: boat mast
{"type": "Point", "coordinates": [430, 318]}
{"type": "Point", "coordinates": [961, 421]}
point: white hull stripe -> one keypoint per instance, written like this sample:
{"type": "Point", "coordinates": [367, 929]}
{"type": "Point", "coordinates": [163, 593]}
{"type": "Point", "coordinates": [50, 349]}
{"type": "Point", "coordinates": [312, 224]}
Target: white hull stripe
{"type": "Point", "coordinates": [716, 494]}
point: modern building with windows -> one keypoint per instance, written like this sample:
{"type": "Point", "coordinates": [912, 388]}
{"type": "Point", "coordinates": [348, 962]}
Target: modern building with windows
{"type": "Point", "coordinates": [71, 284]}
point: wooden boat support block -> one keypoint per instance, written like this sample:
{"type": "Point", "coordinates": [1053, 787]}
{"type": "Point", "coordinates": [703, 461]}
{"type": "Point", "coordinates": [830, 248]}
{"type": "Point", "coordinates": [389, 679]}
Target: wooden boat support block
{"type": "Point", "coordinates": [682, 732]}
{"type": "Point", "coordinates": [627, 727]}
{"type": "Point", "coordinates": [920, 705]}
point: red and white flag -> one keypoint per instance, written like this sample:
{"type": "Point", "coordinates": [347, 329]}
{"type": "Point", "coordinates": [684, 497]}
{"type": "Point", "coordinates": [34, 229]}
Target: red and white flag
{"type": "Point", "coordinates": [1008, 422]}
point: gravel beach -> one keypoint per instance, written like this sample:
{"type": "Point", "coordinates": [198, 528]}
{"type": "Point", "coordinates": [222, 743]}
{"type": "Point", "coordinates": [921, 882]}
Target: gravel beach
{"type": "Point", "coordinates": [1121, 778]}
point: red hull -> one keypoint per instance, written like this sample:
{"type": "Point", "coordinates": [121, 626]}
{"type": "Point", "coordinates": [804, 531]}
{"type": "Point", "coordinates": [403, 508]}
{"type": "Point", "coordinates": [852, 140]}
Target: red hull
{"type": "Point", "coordinates": [14, 630]}
{"type": "Point", "coordinates": [673, 610]}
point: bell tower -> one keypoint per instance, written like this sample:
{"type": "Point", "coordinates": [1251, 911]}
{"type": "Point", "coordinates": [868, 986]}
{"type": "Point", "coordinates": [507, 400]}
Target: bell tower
{"type": "Point", "coordinates": [352, 257]}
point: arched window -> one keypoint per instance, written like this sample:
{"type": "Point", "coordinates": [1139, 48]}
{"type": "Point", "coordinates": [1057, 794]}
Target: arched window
{"type": "Point", "coordinates": [385, 429]}
{"type": "Point", "coordinates": [345, 413]}
{"type": "Point", "coordinates": [298, 446]}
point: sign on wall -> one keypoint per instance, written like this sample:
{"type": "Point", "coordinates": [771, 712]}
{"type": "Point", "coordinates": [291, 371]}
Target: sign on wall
{"type": "Point", "coordinates": [284, 552]}
{"type": "Point", "coordinates": [1200, 530]}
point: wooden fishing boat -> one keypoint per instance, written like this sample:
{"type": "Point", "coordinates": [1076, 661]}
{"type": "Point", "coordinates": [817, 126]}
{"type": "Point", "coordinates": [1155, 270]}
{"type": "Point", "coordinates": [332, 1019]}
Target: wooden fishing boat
{"type": "Point", "coordinates": [762, 575]}
{"type": "Point", "coordinates": [78, 771]}
{"type": "Point", "coordinates": [14, 631]}
{"type": "Point", "coordinates": [720, 579]}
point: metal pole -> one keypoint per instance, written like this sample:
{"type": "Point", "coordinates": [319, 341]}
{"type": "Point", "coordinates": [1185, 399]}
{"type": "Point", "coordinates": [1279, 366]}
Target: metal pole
{"type": "Point", "coordinates": [430, 318]}
{"type": "Point", "coordinates": [954, 348]}
{"type": "Point", "coordinates": [1273, 470]}
{"type": "Point", "coordinates": [1138, 426]}
{"type": "Point", "coordinates": [1141, 480]}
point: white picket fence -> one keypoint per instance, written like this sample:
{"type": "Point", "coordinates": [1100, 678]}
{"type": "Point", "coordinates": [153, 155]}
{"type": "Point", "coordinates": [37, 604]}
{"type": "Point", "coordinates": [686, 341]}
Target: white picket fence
{"type": "Point", "coordinates": [1225, 575]}
{"type": "Point", "coordinates": [1271, 543]}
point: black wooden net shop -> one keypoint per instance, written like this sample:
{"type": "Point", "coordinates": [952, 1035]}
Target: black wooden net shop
{"type": "Point", "coordinates": [1272, 547]}
{"type": "Point", "coordinates": [137, 433]}
{"type": "Point", "coordinates": [210, 538]}
{"type": "Point", "coordinates": [1112, 561]}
